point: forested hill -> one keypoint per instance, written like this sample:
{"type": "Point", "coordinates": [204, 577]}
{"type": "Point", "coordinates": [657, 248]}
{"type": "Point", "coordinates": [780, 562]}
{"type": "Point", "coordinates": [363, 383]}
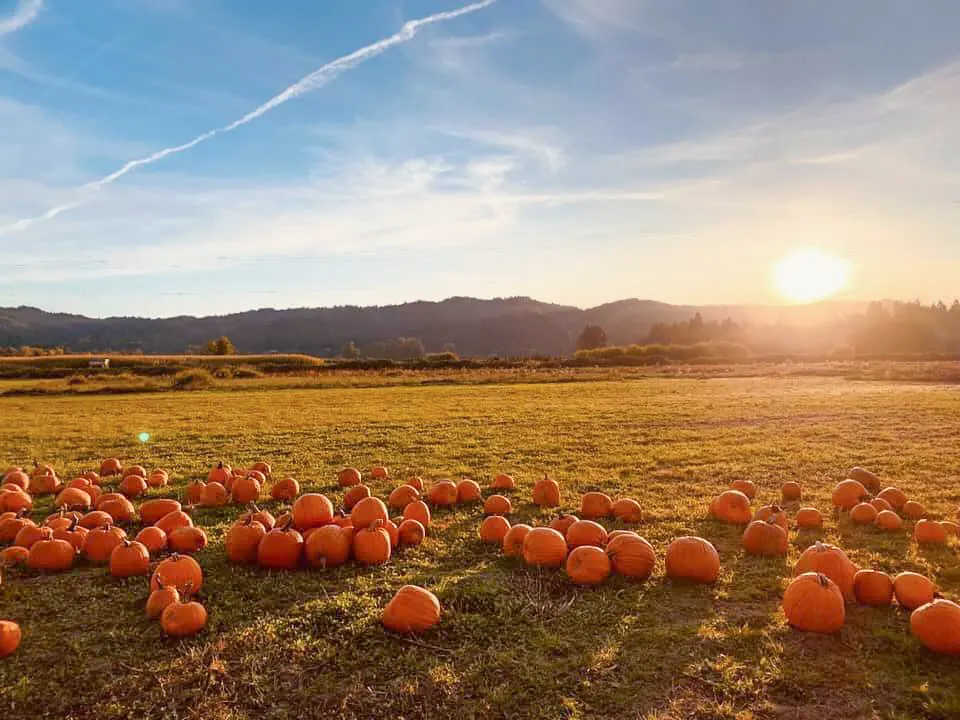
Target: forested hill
{"type": "Point", "coordinates": [467, 326]}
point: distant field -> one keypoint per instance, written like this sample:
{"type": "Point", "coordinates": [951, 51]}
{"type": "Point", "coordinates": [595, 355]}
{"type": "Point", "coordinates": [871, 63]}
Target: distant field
{"type": "Point", "coordinates": [512, 642]}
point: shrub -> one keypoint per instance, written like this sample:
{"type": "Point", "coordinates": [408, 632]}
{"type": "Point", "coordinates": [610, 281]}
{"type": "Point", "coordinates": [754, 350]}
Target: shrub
{"type": "Point", "coordinates": [195, 379]}
{"type": "Point", "coordinates": [77, 380]}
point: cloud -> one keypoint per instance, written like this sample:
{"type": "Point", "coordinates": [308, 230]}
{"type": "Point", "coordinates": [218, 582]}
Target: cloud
{"type": "Point", "coordinates": [314, 81]}
{"type": "Point", "coordinates": [595, 18]}
{"type": "Point", "coordinates": [24, 14]}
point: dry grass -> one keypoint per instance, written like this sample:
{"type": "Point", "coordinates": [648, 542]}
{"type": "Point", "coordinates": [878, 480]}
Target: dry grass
{"type": "Point", "coordinates": [513, 642]}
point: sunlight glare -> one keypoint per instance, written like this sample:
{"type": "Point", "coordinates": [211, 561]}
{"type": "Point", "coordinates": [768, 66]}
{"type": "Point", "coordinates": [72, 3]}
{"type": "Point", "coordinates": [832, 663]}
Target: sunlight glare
{"type": "Point", "coordinates": [809, 274]}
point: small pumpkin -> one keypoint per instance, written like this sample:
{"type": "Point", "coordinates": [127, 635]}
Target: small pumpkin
{"type": "Point", "coordinates": [873, 587]}
{"type": "Point", "coordinates": [195, 491]}
{"type": "Point", "coordinates": [10, 636]}
{"type": "Point", "coordinates": [493, 529]}
{"type": "Point", "coordinates": [411, 533]}
{"type": "Point", "coordinates": [895, 496]}
{"type": "Point", "coordinates": [497, 505]}
{"type": "Point", "coordinates": [372, 545]}
{"type": "Point", "coordinates": [546, 493]}
{"type": "Point", "coordinates": [913, 590]}
{"type": "Point", "coordinates": [138, 470]}
{"type": "Point", "coordinates": [913, 510]}
{"type": "Point", "coordinates": [586, 532]}
{"type": "Point", "coordinates": [187, 540]}
{"type": "Point", "coordinates": [587, 565]}
{"type": "Point", "coordinates": [311, 510]}
{"type": "Point", "coordinates": [183, 619]}
{"type": "Point", "coordinates": [280, 549]}
{"type": "Point", "coordinates": [153, 510]}
{"type": "Point", "coordinates": [765, 538]}
{"type": "Point", "coordinates": [173, 520]}
{"type": "Point", "coordinates": [119, 510]}
{"type": "Point", "coordinates": [416, 482]}
{"type": "Point", "coordinates": [888, 520]}
{"type": "Point", "coordinates": [937, 625]}
{"type": "Point", "coordinates": [133, 486]}
{"type": "Point", "coordinates": [73, 499]}
{"type": "Point", "coordinates": [101, 541]}
{"type": "Point", "coordinates": [418, 511]}
{"type": "Point", "coordinates": [51, 554]}
{"type": "Point", "coordinates": [13, 556]}
{"type": "Point", "coordinates": [929, 532]}
{"type": "Point", "coordinates": [349, 476]}
{"type": "Point", "coordinates": [246, 490]}
{"type": "Point", "coordinates": [831, 561]}
{"type": "Point", "coordinates": [563, 522]}
{"type": "Point", "coordinates": [863, 514]}
{"type": "Point", "coordinates": [13, 524]}
{"type": "Point", "coordinates": [870, 480]}
{"type": "Point", "coordinates": [732, 506]}
{"type": "Point", "coordinates": [285, 490]}
{"type": "Point", "coordinates": [631, 556]}
{"type": "Point", "coordinates": [596, 505]}
{"type": "Point", "coordinates": [329, 546]}
{"type": "Point", "coordinates": [75, 535]}
{"type": "Point", "coordinates": [179, 571]}
{"type": "Point", "coordinates": [158, 478]}
{"type": "Point", "coordinates": [213, 495]}
{"type": "Point", "coordinates": [443, 493]}
{"type": "Point", "coordinates": [809, 518]}
{"type": "Point", "coordinates": [880, 504]}
{"type": "Point", "coordinates": [812, 602]}
{"type": "Point", "coordinates": [263, 468]}
{"type": "Point", "coordinates": [355, 494]}
{"type": "Point", "coordinates": [747, 487]}
{"type": "Point", "coordinates": [694, 559]}
{"type": "Point", "coordinates": [468, 491]}
{"type": "Point", "coordinates": [791, 491]}
{"type": "Point", "coordinates": [95, 519]}
{"type": "Point", "coordinates": [379, 472]}
{"type": "Point", "coordinates": [368, 511]}
{"type": "Point", "coordinates": [503, 482]}
{"type": "Point", "coordinates": [153, 539]}
{"type": "Point", "coordinates": [412, 609]}
{"type": "Point", "coordinates": [220, 474]}
{"type": "Point", "coordinates": [111, 466]}
{"type": "Point", "coordinates": [773, 513]}
{"type": "Point", "coordinates": [31, 534]}
{"type": "Point", "coordinates": [512, 543]}
{"type": "Point", "coordinates": [14, 499]}
{"type": "Point", "coordinates": [159, 599]}
{"type": "Point", "coordinates": [627, 510]}
{"type": "Point", "coordinates": [18, 478]}
{"type": "Point", "coordinates": [544, 547]}
{"type": "Point", "coordinates": [848, 493]}
{"type": "Point", "coordinates": [243, 541]}
{"type": "Point", "coordinates": [129, 559]}
{"type": "Point", "coordinates": [402, 496]}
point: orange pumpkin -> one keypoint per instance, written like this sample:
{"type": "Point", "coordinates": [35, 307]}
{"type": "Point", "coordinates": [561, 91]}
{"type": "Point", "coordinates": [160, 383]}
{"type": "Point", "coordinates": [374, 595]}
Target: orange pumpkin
{"type": "Point", "coordinates": [403, 496]}
{"type": "Point", "coordinates": [133, 486]}
{"type": "Point", "coordinates": [587, 565]}
{"type": "Point", "coordinates": [18, 478]}
{"type": "Point", "coordinates": [329, 546]}
{"type": "Point", "coordinates": [95, 519]}
{"type": "Point", "coordinates": [51, 554]}
{"type": "Point", "coordinates": [494, 528]}
{"type": "Point", "coordinates": [863, 513]}
{"type": "Point", "coordinates": [880, 504]}
{"type": "Point", "coordinates": [13, 556]}
{"type": "Point", "coordinates": [513, 541]}
{"type": "Point", "coordinates": [129, 559]}
{"type": "Point", "coordinates": [596, 505]}
{"type": "Point", "coordinates": [368, 511]}
{"type": "Point", "coordinates": [13, 524]}
{"type": "Point", "coordinates": [848, 493]}
{"type": "Point", "coordinates": [243, 541]}
{"type": "Point", "coordinates": [809, 518]}
{"type": "Point", "coordinates": [187, 540]}
{"type": "Point", "coordinates": [563, 522]}
{"type": "Point", "coordinates": [222, 474]}
{"type": "Point", "coordinates": [159, 599]}
{"type": "Point", "coordinates": [586, 532]}
{"type": "Point", "coordinates": [311, 510]}
{"type": "Point", "coordinates": [765, 538]}
{"type": "Point", "coordinates": [263, 468]}
{"type": "Point", "coordinates": [831, 561]}
{"type": "Point", "coordinates": [732, 506]}
{"type": "Point", "coordinates": [138, 470]}
{"type": "Point", "coordinates": [183, 619]}
{"type": "Point", "coordinates": [111, 466]}
{"type": "Point", "coordinates": [213, 495]}
{"type": "Point", "coordinates": [929, 532]}
{"type": "Point", "coordinates": [546, 493]}
{"type": "Point", "coordinates": [870, 480]}
{"type": "Point", "coordinates": [75, 535]}
{"type": "Point", "coordinates": [416, 482]}
{"type": "Point", "coordinates": [379, 472]}
{"type": "Point", "coordinates": [355, 494]}
{"type": "Point", "coordinates": [872, 587]}
{"type": "Point", "coordinates": [73, 498]}
{"type": "Point", "coordinates": [888, 520]}
{"type": "Point", "coordinates": [45, 485]}
{"type": "Point", "coordinates": [101, 541]}
{"type": "Point", "coordinates": [497, 505]}
{"type": "Point", "coordinates": [627, 510]}
{"type": "Point", "coordinates": [349, 476]}
{"type": "Point", "coordinates": [153, 539]}
{"type": "Point", "coordinates": [158, 478]}
{"type": "Point", "coordinates": [913, 590]}
{"type": "Point", "coordinates": [468, 491]}
{"type": "Point", "coordinates": [280, 549]}
{"type": "Point", "coordinates": [937, 625]}
{"type": "Point", "coordinates": [791, 491]}
{"type": "Point", "coordinates": [31, 534]}
{"type": "Point", "coordinates": [411, 533]}
{"type": "Point", "coordinates": [394, 532]}
{"type": "Point", "coordinates": [418, 511]}
{"type": "Point", "coordinates": [285, 490]}
{"type": "Point", "coordinates": [774, 513]}
{"type": "Point", "coordinates": [503, 482]}
{"type": "Point", "coordinates": [153, 510]}
{"type": "Point", "coordinates": [693, 559]}
{"type": "Point", "coordinates": [443, 493]}
{"type": "Point", "coordinates": [631, 556]}
{"type": "Point", "coordinates": [10, 636]}
{"type": "Point", "coordinates": [246, 490]}
{"type": "Point", "coordinates": [812, 602]}
{"type": "Point", "coordinates": [896, 497]}
{"type": "Point", "coordinates": [412, 609]}
{"type": "Point", "coordinates": [120, 510]}
{"type": "Point", "coordinates": [544, 547]}
{"type": "Point", "coordinates": [13, 499]}
{"type": "Point", "coordinates": [913, 510]}
{"type": "Point", "coordinates": [171, 521]}
{"type": "Point", "coordinates": [179, 571]}
{"type": "Point", "coordinates": [372, 545]}
{"type": "Point", "coordinates": [747, 487]}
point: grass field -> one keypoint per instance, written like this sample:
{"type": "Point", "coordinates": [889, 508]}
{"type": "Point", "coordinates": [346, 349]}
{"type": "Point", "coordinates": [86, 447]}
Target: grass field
{"type": "Point", "coordinates": [513, 642]}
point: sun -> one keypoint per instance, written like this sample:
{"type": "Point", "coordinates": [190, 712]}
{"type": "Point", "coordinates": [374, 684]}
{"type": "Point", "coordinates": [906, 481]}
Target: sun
{"type": "Point", "coordinates": [809, 274]}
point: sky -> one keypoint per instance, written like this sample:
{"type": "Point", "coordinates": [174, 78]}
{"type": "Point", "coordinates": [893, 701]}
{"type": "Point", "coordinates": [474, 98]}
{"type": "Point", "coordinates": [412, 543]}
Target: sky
{"type": "Point", "coordinates": [168, 157]}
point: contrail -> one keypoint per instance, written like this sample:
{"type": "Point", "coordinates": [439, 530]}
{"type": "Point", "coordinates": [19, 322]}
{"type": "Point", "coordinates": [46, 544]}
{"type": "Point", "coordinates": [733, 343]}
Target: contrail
{"type": "Point", "coordinates": [315, 80]}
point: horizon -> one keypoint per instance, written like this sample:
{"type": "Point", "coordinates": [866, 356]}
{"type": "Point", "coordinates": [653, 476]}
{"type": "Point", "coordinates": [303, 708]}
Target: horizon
{"type": "Point", "coordinates": [176, 158]}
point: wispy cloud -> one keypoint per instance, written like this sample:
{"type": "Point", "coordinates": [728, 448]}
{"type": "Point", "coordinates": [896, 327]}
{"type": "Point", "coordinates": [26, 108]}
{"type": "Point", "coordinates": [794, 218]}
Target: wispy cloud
{"type": "Point", "coordinates": [314, 81]}
{"type": "Point", "coordinates": [594, 18]}
{"type": "Point", "coordinates": [24, 14]}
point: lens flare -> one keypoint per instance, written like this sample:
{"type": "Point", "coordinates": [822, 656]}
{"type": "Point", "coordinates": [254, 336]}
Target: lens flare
{"type": "Point", "coordinates": [809, 274]}
{"type": "Point", "coordinates": [143, 437]}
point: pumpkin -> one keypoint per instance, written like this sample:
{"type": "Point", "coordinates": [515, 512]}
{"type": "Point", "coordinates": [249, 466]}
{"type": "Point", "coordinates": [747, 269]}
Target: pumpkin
{"type": "Point", "coordinates": [73, 498]}
{"type": "Point", "coordinates": [139, 470]}
{"type": "Point", "coordinates": [587, 565]}
{"type": "Point", "coordinates": [45, 485]}
{"type": "Point", "coordinates": [443, 493]}
{"type": "Point", "coordinates": [187, 540]}
{"type": "Point", "coordinates": [213, 495]}
{"type": "Point", "coordinates": [929, 532]}
{"type": "Point", "coordinates": [773, 512]}
{"type": "Point", "coordinates": [195, 491]}
{"type": "Point", "coordinates": [348, 476]}
{"type": "Point", "coordinates": [355, 494]}
{"type": "Point", "coordinates": [368, 511]}
{"type": "Point", "coordinates": [412, 609]}
{"type": "Point", "coordinates": [10, 526]}
{"type": "Point", "coordinates": [171, 521]}
{"type": "Point", "coordinates": [285, 490]}
{"type": "Point", "coordinates": [872, 587]}
{"type": "Point", "coordinates": [493, 529]}
{"type": "Point", "coordinates": [51, 554]}
{"type": "Point", "coordinates": [246, 490]}
{"type": "Point", "coordinates": [158, 478]}
{"type": "Point", "coordinates": [418, 511]}
{"type": "Point", "coordinates": [60, 520]}
{"type": "Point", "coordinates": [110, 466]}
{"type": "Point", "coordinates": [372, 545]}
{"type": "Point", "coordinates": [617, 533]}
{"type": "Point", "coordinates": [329, 546]}
{"type": "Point", "coordinates": [544, 547]}
{"type": "Point", "coordinates": [627, 510]}
{"type": "Point", "coordinates": [503, 482]}
{"type": "Point", "coordinates": [311, 510]}
{"type": "Point", "coordinates": [75, 535]}
{"type": "Point", "coordinates": [133, 486]}
{"type": "Point", "coordinates": [831, 561]}
{"type": "Point", "coordinates": [563, 522]}
{"type": "Point", "coordinates": [747, 487]}
{"type": "Point", "coordinates": [888, 520]}
{"type": "Point", "coordinates": [261, 516]}
{"type": "Point", "coordinates": [913, 510]}
{"type": "Point", "coordinates": [791, 491]}
{"type": "Point", "coordinates": [263, 468]}
{"type": "Point", "coordinates": [31, 534]}
{"type": "Point", "coordinates": [10, 636]}
{"type": "Point", "coordinates": [896, 497]}
{"type": "Point", "coordinates": [848, 493]}
{"type": "Point", "coordinates": [881, 504]}
{"type": "Point", "coordinates": [586, 532]}
{"type": "Point", "coordinates": [497, 505]}
{"type": "Point", "coordinates": [92, 477]}
{"type": "Point", "coordinates": [119, 510]}
{"type": "Point", "coordinates": [101, 541]}
{"type": "Point", "coordinates": [863, 513]}
{"type": "Point", "coordinates": [631, 556]}
{"type": "Point", "coordinates": [913, 590]}
{"type": "Point", "coordinates": [13, 499]}
{"type": "Point", "coordinates": [596, 505]}
{"type": "Point", "coordinates": [379, 472]}
{"type": "Point", "coordinates": [812, 602]}
{"type": "Point", "coordinates": [765, 538]}
{"type": "Point", "coordinates": [546, 493]}
{"type": "Point", "coordinates": [411, 533]}
{"type": "Point", "coordinates": [694, 559]}
{"type": "Point", "coordinates": [220, 474]}
{"type": "Point", "coordinates": [243, 540]}
{"type": "Point", "coordinates": [937, 625]}
{"type": "Point", "coordinates": [416, 482]}
{"type": "Point", "coordinates": [153, 539]}
{"type": "Point", "coordinates": [468, 491]}
{"type": "Point", "coordinates": [129, 559]}
{"type": "Point", "coordinates": [152, 510]}
{"type": "Point", "coordinates": [179, 571]}
{"type": "Point", "coordinates": [13, 556]}
{"type": "Point", "coordinates": [950, 527]}
{"type": "Point", "coordinates": [159, 599]}
{"type": "Point", "coordinates": [95, 493]}
{"type": "Point", "coordinates": [809, 518]}
{"type": "Point", "coordinates": [81, 483]}
{"type": "Point", "coordinates": [280, 549]}
{"type": "Point", "coordinates": [732, 506]}
{"type": "Point", "coordinates": [394, 532]}
{"type": "Point", "coordinates": [18, 478]}
{"type": "Point", "coordinates": [183, 619]}
{"type": "Point", "coordinates": [869, 480]}
{"type": "Point", "coordinates": [403, 496]}
{"type": "Point", "coordinates": [512, 542]}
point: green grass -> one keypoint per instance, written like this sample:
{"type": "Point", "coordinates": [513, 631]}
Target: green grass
{"type": "Point", "coordinates": [512, 642]}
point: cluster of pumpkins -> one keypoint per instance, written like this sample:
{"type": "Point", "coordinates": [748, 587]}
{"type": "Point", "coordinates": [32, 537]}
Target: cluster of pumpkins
{"type": "Point", "coordinates": [825, 578]}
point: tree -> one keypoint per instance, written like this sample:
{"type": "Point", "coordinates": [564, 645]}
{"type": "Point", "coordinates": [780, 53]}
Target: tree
{"type": "Point", "coordinates": [221, 346]}
{"type": "Point", "coordinates": [591, 338]}
{"type": "Point", "coordinates": [350, 351]}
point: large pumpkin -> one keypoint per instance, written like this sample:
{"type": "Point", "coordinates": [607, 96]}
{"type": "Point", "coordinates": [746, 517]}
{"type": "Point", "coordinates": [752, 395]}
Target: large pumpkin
{"type": "Point", "coordinates": [869, 480]}
{"type": "Point", "coordinates": [747, 487]}
{"type": "Point", "coordinates": [468, 491]}
{"type": "Point", "coordinates": [694, 559]}
{"type": "Point", "coordinates": [355, 494]}
{"type": "Point", "coordinates": [631, 556]}
{"type": "Point", "coordinates": [848, 493]}
{"type": "Point", "coordinates": [418, 511]}
{"type": "Point", "coordinates": [443, 493]}
{"type": "Point", "coordinates": [587, 565]}
{"type": "Point", "coordinates": [563, 522]}
{"type": "Point", "coordinates": [246, 490]}
{"type": "Point", "coordinates": [895, 496]}
{"type": "Point", "coordinates": [628, 510]}
{"type": "Point", "coordinates": [765, 538]}
{"type": "Point", "coordinates": [129, 559]}
{"type": "Point", "coordinates": [732, 506]}
{"type": "Point", "coordinates": [863, 513]}
{"type": "Point", "coordinates": [349, 476]}
{"type": "Point", "coordinates": [930, 532]}
{"type": "Point", "coordinates": [596, 505]}
{"type": "Point", "coordinates": [831, 561]}
{"type": "Point", "coordinates": [872, 587]}
{"type": "Point", "coordinates": [493, 529]}
{"type": "Point", "coordinates": [101, 541]}
{"type": "Point", "coordinates": [213, 495]}
{"type": "Point", "coordinates": [179, 571]}
{"type": "Point", "coordinates": [888, 520]}
{"type": "Point", "coordinates": [913, 510]}
{"type": "Point", "coordinates": [51, 554]}
{"type": "Point", "coordinates": [544, 547]}
{"type": "Point", "coordinates": [546, 493]}
{"type": "Point", "coordinates": [497, 505]}
{"type": "Point", "coordinates": [791, 491]}
{"type": "Point", "coordinates": [183, 619]}
{"type": "Point", "coordinates": [913, 590]}
{"type": "Point", "coordinates": [368, 511]}
{"type": "Point", "coordinates": [285, 490]}
{"type": "Point", "coordinates": [812, 602]}
{"type": "Point", "coordinates": [586, 532]}
{"type": "Point", "coordinates": [502, 482]}
{"type": "Point", "coordinates": [403, 496]}
{"type": "Point", "coordinates": [513, 541]}
{"type": "Point", "coordinates": [937, 625]}
{"type": "Point", "coordinates": [329, 546]}
{"type": "Point", "coordinates": [111, 466]}
{"type": "Point", "coordinates": [280, 549]}
{"type": "Point", "coordinates": [220, 474]}
{"type": "Point", "coordinates": [372, 545]}
{"type": "Point", "coordinates": [411, 533]}
{"type": "Point", "coordinates": [412, 609]}
{"type": "Point", "coordinates": [311, 510]}
{"type": "Point", "coordinates": [153, 510]}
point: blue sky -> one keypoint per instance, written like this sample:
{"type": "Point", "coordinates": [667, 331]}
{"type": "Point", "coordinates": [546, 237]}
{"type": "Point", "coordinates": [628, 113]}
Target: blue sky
{"type": "Point", "coordinates": [578, 151]}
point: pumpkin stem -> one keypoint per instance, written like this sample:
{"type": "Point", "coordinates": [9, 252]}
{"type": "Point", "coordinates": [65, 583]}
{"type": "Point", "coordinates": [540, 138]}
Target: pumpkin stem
{"type": "Point", "coordinates": [820, 547]}
{"type": "Point", "coordinates": [823, 579]}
